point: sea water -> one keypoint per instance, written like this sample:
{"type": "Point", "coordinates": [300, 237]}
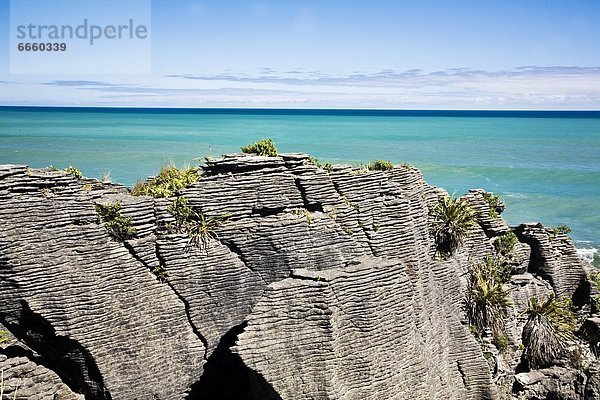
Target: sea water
{"type": "Point", "coordinates": [545, 165]}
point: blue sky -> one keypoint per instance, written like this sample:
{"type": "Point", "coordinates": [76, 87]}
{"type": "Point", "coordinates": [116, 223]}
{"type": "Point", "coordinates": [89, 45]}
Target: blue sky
{"type": "Point", "coordinates": [347, 54]}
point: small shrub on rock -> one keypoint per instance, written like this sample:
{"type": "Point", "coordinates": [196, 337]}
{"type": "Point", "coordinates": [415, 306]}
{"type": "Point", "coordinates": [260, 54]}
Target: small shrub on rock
{"type": "Point", "coordinates": [168, 181]}
{"type": "Point", "coordinates": [505, 244]}
{"type": "Point", "coordinates": [116, 225]}
{"type": "Point", "coordinates": [561, 230]}
{"type": "Point", "coordinates": [452, 220]}
{"type": "Point", "coordinates": [380, 165]}
{"type": "Point", "coordinates": [487, 298]}
{"type": "Point", "coordinates": [550, 325]}
{"type": "Point", "coordinates": [181, 211]}
{"type": "Point", "coordinates": [326, 166]}
{"type": "Point", "coordinates": [74, 172]}
{"type": "Point", "coordinates": [264, 147]}
{"type": "Point", "coordinates": [494, 202]}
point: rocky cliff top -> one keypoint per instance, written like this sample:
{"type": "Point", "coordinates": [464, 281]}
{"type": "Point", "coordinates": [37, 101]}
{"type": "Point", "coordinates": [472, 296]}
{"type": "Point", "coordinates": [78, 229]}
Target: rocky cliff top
{"type": "Point", "coordinates": [271, 278]}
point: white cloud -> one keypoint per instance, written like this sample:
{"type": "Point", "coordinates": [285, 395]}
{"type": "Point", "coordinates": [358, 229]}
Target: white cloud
{"type": "Point", "coordinates": [521, 88]}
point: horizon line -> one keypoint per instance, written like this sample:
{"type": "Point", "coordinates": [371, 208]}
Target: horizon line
{"type": "Point", "coordinates": [336, 109]}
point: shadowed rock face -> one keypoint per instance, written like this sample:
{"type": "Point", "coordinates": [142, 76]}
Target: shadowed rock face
{"type": "Point", "coordinates": [318, 285]}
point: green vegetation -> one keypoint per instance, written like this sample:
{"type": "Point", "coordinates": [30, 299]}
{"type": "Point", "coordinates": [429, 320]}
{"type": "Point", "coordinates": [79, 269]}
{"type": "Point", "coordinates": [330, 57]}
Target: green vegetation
{"type": "Point", "coordinates": [201, 229]}
{"type": "Point", "coordinates": [3, 337]}
{"type": "Point", "coordinates": [347, 230]}
{"type": "Point", "coordinates": [332, 213]}
{"type": "Point", "coordinates": [473, 330]}
{"type": "Point", "coordinates": [577, 358]}
{"type": "Point", "coordinates": [116, 225]}
{"type": "Point", "coordinates": [487, 298]}
{"type": "Point", "coordinates": [181, 211]}
{"type": "Point", "coordinates": [406, 165]}
{"type": "Point", "coordinates": [305, 213]}
{"type": "Point", "coordinates": [505, 244]}
{"type": "Point", "coordinates": [168, 181]}
{"type": "Point", "coordinates": [195, 224]}
{"type": "Point", "coordinates": [327, 166]}
{"type": "Point", "coordinates": [74, 172]}
{"type": "Point", "coordinates": [160, 272]}
{"type": "Point", "coordinates": [380, 165]}
{"type": "Point", "coordinates": [561, 230]}
{"type": "Point", "coordinates": [452, 220]}
{"type": "Point", "coordinates": [550, 324]}
{"type": "Point", "coordinates": [264, 147]}
{"type": "Point", "coordinates": [493, 202]}
{"type": "Point", "coordinates": [595, 280]}
{"type": "Point", "coordinates": [501, 342]}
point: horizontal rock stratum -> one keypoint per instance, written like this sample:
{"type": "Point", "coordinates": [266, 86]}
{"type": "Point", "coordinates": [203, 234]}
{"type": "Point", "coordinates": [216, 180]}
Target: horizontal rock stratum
{"type": "Point", "coordinates": [314, 284]}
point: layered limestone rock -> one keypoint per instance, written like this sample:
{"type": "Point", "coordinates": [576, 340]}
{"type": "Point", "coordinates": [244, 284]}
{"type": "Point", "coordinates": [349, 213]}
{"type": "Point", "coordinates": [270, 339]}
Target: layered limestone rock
{"type": "Point", "coordinates": [313, 284]}
{"type": "Point", "coordinates": [553, 258]}
{"type": "Point", "coordinates": [21, 378]}
{"type": "Point", "coordinates": [95, 315]}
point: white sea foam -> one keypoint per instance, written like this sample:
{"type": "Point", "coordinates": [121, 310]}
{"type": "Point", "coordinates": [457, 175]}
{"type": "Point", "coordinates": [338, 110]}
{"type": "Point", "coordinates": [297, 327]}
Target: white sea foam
{"type": "Point", "coordinates": [588, 254]}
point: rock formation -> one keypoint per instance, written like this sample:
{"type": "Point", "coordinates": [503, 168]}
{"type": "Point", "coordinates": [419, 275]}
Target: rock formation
{"type": "Point", "coordinates": [310, 284]}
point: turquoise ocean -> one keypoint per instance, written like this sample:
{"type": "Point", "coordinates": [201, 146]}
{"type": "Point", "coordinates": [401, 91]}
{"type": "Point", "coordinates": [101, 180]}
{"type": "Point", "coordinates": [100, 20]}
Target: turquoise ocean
{"type": "Point", "coordinates": [546, 165]}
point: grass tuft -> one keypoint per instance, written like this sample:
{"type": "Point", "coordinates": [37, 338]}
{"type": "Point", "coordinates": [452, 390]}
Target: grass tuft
{"type": "Point", "coordinates": [487, 298]}
{"type": "Point", "coordinates": [594, 278]}
{"type": "Point", "coordinates": [550, 325]}
{"type": "Point", "coordinates": [199, 228]}
{"type": "Point", "coordinates": [3, 337]}
{"type": "Point", "coordinates": [168, 181]}
{"type": "Point", "coordinates": [452, 220]}
{"type": "Point", "coordinates": [116, 225]}
{"type": "Point", "coordinates": [326, 166]}
{"type": "Point", "coordinates": [501, 342]}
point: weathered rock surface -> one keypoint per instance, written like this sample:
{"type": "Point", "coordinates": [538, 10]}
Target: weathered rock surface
{"type": "Point", "coordinates": [78, 298]}
{"type": "Point", "coordinates": [24, 379]}
{"type": "Point", "coordinates": [555, 259]}
{"type": "Point", "coordinates": [315, 285]}
{"type": "Point", "coordinates": [320, 326]}
{"type": "Point", "coordinates": [551, 383]}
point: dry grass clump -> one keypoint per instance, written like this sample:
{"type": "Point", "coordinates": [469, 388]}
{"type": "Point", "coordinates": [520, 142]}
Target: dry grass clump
{"type": "Point", "coordinates": [550, 325]}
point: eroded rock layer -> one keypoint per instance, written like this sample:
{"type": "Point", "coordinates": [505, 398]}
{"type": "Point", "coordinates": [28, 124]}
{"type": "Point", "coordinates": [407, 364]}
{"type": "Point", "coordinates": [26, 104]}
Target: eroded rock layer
{"type": "Point", "coordinates": [311, 284]}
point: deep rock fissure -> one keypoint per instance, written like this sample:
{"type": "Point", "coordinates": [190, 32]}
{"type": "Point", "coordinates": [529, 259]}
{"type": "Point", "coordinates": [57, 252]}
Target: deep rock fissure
{"type": "Point", "coordinates": [226, 377]}
{"type": "Point", "coordinates": [65, 356]}
{"type": "Point", "coordinates": [315, 207]}
{"type": "Point", "coordinates": [186, 304]}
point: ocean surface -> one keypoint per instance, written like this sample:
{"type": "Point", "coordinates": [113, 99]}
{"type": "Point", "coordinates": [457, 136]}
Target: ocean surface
{"type": "Point", "coordinates": [546, 165]}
